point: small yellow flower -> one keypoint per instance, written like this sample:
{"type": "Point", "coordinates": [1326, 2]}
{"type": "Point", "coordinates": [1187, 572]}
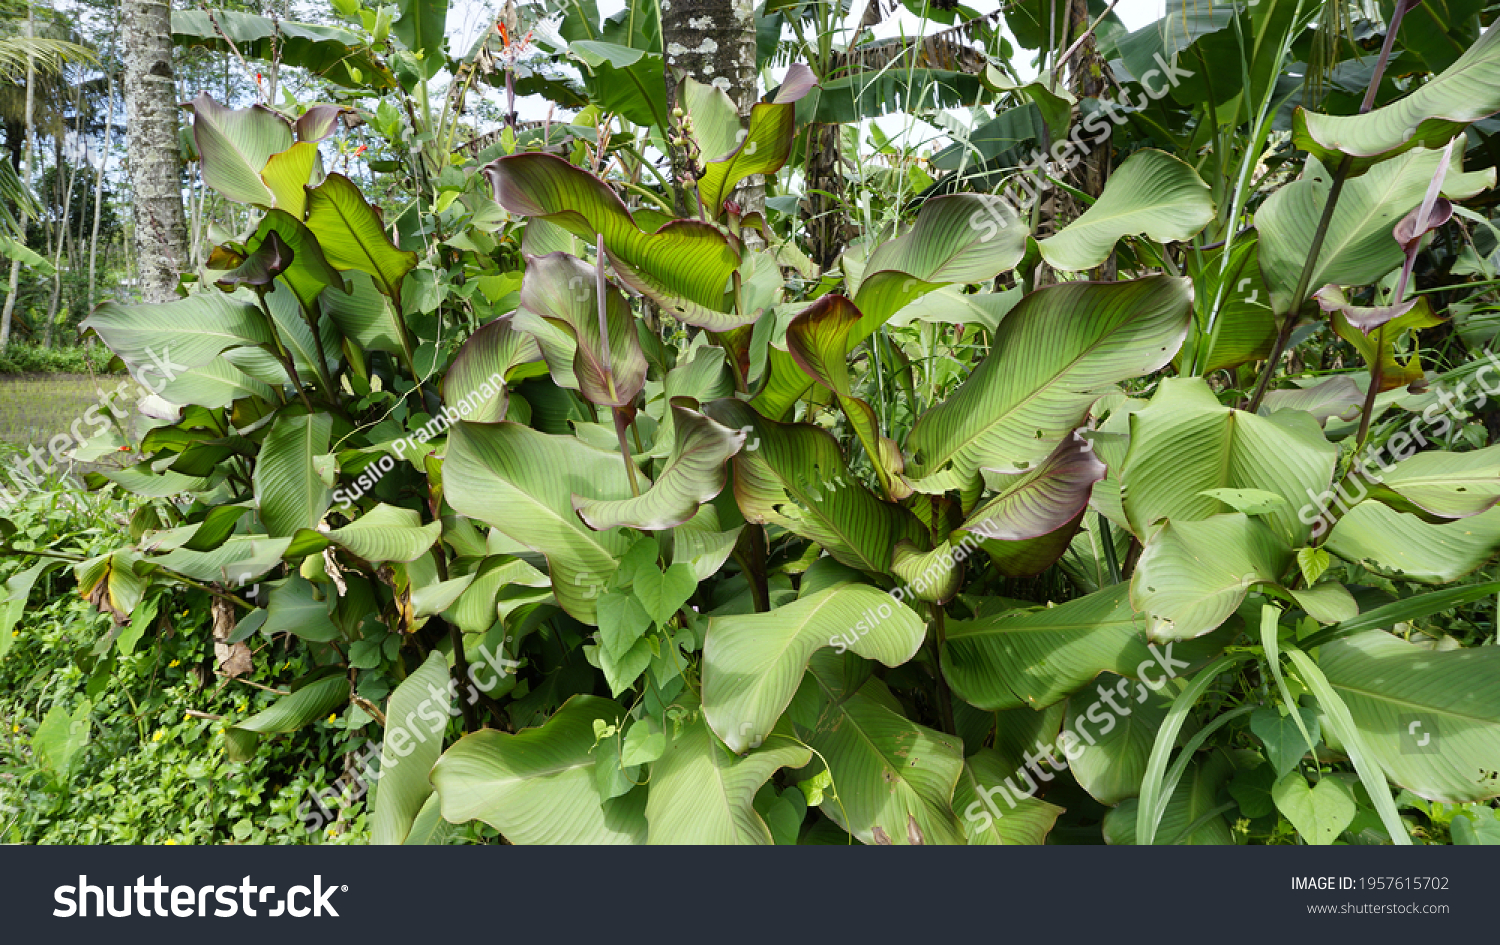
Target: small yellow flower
{"type": "Point", "coordinates": [174, 663]}
{"type": "Point", "coordinates": [332, 717]}
{"type": "Point", "coordinates": [170, 842]}
{"type": "Point", "coordinates": [14, 729]}
{"type": "Point", "coordinates": [158, 736]}
{"type": "Point", "coordinates": [332, 832]}
{"type": "Point", "coordinates": [15, 633]}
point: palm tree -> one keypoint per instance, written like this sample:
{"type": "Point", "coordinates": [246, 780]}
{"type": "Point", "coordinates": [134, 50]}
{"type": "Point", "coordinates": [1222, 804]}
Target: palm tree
{"type": "Point", "coordinates": [24, 56]}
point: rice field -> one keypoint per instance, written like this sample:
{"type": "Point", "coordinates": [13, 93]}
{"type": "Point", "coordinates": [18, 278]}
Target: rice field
{"type": "Point", "coordinates": [36, 407]}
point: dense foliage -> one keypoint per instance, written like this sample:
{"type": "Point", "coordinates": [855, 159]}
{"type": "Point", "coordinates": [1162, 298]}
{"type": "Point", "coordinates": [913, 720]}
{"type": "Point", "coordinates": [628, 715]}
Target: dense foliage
{"type": "Point", "coordinates": [1142, 495]}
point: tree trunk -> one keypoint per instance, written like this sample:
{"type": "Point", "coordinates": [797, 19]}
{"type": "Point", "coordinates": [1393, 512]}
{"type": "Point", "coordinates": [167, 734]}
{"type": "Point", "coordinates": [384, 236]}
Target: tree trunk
{"type": "Point", "coordinates": [14, 284]}
{"type": "Point", "coordinates": [109, 129]}
{"type": "Point", "coordinates": [713, 42]}
{"type": "Point", "coordinates": [152, 149]}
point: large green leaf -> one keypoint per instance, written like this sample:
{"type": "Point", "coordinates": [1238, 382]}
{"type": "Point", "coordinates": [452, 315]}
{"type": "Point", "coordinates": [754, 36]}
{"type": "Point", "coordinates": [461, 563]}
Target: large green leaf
{"type": "Point", "coordinates": [702, 792]}
{"type": "Point", "coordinates": [414, 725]}
{"type": "Point", "coordinates": [1358, 248]}
{"type": "Point", "coordinates": [387, 533]}
{"type": "Point", "coordinates": [752, 663]}
{"type": "Point", "coordinates": [985, 823]}
{"type": "Point", "coordinates": [475, 382]}
{"type": "Point", "coordinates": [1152, 194]}
{"type": "Point", "coordinates": [960, 238]}
{"type": "Point", "coordinates": [893, 780]}
{"type": "Point", "coordinates": [1402, 545]}
{"type": "Point", "coordinates": [625, 80]}
{"type": "Point", "coordinates": [294, 608]}
{"type": "Point", "coordinates": [1185, 446]}
{"type": "Point", "coordinates": [367, 317]}
{"type": "Point", "coordinates": [694, 474]}
{"type": "Point", "coordinates": [1113, 748]}
{"type": "Point", "coordinates": [1038, 657]}
{"type": "Point", "coordinates": [421, 25]}
{"type": "Point", "coordinates": [522, 482]}
{"type": "Point", "coordinates": [189, 332]}
{"type": "Point", "coordinates": [240, 559]}
{"type": "Point", "coordinates": [303, 707]}
{"type": "Point", "coordinates": [1465, 92]}
{"type": "Point", "coordinates": [685, 266]}
{"type": "Point", "coordinates": [309, 272]}
{"type": "Point", "coordinates": [1452, 751]}
{"type": "Point", "coordinates": [1041, 500]}
{"type": "Point", "coordinates": [1056, 353]}
{"type": "Point", "coordinates": [538, 785]}
{"type": "Point", "coordinates": [287, 176]}
{"type": "Point", "coordinates": [234, 145]}
{"type": "Point", "coordinates": [818, 339]}
{"type": "Point", "coordinates": [288, 490]}
{"type": "Point", "coordinates": [1443, 485]}
{"type": "Point", "coordinates": [716, 126]}
{"type": "Point", "coordinates": [1244, 327]}
{"type": "Point", "coordinates": [1192, 575]}
{"type": "Point", "coordinates": [331, 52]}
{"type": "Point", "coordinates": [353, 236]}
{"type": "Point", "coordinates": [763, 149]}
{"type": "Point", "coordinates": [562, 290]}
{"type": "Point", "coordinates": [793, 475]}
{"type": "Point", "coordinates": [1191, 814]}
{"type": "Point", "coordinates": [17, 591]}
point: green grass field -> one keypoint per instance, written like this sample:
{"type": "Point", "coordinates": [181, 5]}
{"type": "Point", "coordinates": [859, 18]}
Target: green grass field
{"type": "Point", "coordinates": [36, 407]}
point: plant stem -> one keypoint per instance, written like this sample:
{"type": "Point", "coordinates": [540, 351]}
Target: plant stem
{"type": "Point", "coordinates": [1377, 379]}
{"type": "Point", "coordinates": [1299, 294]}
{"type": "Point", "coordinates": [619, 415]}
{"type": "Point", "coordinates": [945, 697]}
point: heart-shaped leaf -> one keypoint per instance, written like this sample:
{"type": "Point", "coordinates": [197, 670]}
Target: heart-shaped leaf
{"type": "Point", "coordinates": [1284, 741]}
{"type": "Point", "coordinates": [664, 593]}
{"type": "Point", "coordinates": [1320, 813]}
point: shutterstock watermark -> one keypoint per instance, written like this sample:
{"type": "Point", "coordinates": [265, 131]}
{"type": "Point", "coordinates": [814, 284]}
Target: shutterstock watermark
{"type": "Point", "coordinates": [1105, 713]}
{"type": "Point", "coordinates": [23, 479]}
{"type": "Point", "coordinates": [1403, 444]}
{"type": "Point", "coordinates": [163, 901]}
{"type": "Point", "coordinates": [1066, 153]}
{"type": "Point", "coordinates": [403, 740]}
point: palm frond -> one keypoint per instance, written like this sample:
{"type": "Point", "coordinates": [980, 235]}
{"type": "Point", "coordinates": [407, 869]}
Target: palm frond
{"type": "Point", "coordinates": [45, 55]}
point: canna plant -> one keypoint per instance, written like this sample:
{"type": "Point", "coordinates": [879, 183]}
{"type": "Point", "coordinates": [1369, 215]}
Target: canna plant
{"type": "Point", "coordinates": [748, 581]}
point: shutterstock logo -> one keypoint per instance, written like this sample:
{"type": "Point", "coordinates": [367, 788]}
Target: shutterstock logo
{"type": "Point", "coordinates": [188, 901]}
